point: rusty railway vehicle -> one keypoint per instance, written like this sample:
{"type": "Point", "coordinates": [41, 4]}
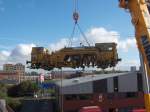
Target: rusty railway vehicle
{"type": "Point", "coordinates": [102, 55]}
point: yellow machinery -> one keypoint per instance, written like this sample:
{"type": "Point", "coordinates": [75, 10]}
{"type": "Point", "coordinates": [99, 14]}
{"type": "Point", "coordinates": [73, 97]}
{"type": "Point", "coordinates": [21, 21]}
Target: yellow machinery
{"type": "Point", "coordinates": [140, 13]}
{"type": "Point", "coordinates": [102, 55]}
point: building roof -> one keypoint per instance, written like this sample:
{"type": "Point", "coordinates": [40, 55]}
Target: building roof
{"type": "Point", "coordinates": [90, 78]}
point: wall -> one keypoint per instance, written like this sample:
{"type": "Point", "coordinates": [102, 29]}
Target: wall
{"type": "Point", "coordinates": [128, 83]}
{"type": "Point", "coordinates": [78, 88]}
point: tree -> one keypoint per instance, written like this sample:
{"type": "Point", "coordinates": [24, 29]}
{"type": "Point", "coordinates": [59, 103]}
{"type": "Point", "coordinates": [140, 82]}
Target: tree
{"type": "Point", "coordinates": [13, 91]}
{"type": "Point", "coordinates": [15, 104]}
{"type": "Point", "coordinates": [26, 88]}
{"type": "Point", "coordinates": [3, 91]}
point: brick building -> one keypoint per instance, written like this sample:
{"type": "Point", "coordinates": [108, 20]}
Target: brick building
{"type": "Point", "coordinates": [8, 67]}
{"type": "Point", "coordinates": [12, 73]}
{"type": "Point", "coordinates": [122, 91]}
{"type": "Point", "coordinates": [19, 68]}
{"type": "Point", "coordinates": [9, 77]}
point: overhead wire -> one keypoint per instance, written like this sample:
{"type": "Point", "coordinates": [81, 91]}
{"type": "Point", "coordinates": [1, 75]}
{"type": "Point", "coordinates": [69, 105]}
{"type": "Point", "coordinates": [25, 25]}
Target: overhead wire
{"type": "Point", "coordinates": [76, 18]}
{"type": "Point", "coordinates": [85, 38]}
{"type": "Point", "coordinates": [75, 5]}
{"type": "Point", "coordinates": [72, 35]}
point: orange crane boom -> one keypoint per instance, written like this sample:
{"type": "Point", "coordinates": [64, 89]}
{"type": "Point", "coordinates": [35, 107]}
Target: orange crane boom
{"type": "Point", "coordinates": [140, 14]}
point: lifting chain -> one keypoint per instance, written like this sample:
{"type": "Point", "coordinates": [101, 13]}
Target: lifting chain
{"type": "Point", "coordinates": [76, 18]}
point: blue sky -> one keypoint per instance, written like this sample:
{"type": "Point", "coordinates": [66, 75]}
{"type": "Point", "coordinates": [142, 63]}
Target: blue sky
{"type": "Point", "coordinates": [46, 22]}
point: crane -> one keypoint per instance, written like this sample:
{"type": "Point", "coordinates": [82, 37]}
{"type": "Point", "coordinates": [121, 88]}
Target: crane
{"type": "Point", "coordinates": [140, 18]}
{"type": "Point", "coordinates": [140, 14]}
{"type": "Point", "coordinates": [102, 55]}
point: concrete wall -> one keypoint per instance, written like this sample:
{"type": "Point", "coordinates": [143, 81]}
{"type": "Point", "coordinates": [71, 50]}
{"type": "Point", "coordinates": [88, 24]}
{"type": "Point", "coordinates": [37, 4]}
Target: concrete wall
{"type": "Point", "coordinates": [128, 83]}
{"type": "Point", "coordinates": [110, 85]}
{"type": "Point", "coordinates": [79, 88]}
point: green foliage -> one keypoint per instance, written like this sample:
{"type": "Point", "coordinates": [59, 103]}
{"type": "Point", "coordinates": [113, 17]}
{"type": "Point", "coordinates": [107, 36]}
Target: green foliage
{"type": "Point", "coordinates": [26, 88]}
{"type": "Point", "coordinates": [3, 95]}
{"type": "Point", "coordinates": [49, 81]}
{"type": "Point", "coordinates": [32, 87]}
{"type": "Point", "coordinates": [14, 104]}
{"type": "Point", "coordinates": [13, 91]}
{"type": "Point", "coordinates": [3, 91]}
{"type": "Point", "coordinates": [52, 91]}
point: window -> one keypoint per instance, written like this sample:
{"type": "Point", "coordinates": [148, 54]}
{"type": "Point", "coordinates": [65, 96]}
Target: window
{"type": "Point", "coordinates": [131, 95]}
{"type": "Point", "coordinates": [140, 81]}
{"type": "Point", "coordinates": [110, 48]}
{"type": "Point", "coordinates": [71, 97]}
{"type": "Point", "coordinates": [78, 97]}
{"type": "Point", "coordinates": [84, 97]}
{"type": "Point", "coordinates": [115, 84]}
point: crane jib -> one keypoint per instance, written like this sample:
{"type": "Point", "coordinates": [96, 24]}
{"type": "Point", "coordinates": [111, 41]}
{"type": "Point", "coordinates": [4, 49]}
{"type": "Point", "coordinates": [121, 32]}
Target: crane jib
{"type": "Point", "coordinates": [146, 46]}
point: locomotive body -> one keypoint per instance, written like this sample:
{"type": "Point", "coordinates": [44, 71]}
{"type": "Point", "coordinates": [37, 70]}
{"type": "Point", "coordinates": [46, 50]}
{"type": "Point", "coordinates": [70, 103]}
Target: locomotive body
{"type": "Point", "coordinates": [102, 55]}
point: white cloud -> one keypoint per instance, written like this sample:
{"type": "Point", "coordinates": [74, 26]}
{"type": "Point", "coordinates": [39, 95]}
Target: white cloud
{"type": "Point", "coordinates": [102, 35]}
{"type": "Point", "coordinates": [127, 44]}
{"type": "Point", "coordinates": [4, 55]}
{"type": "Point", "coordinates": [22, 50]}
{"type": "Point", "coordinates": [61, 44]}
{"type": "Point", "coordinates": [126, 64]}
{"type": "Point", "coordinates": [99, 35]}
{"type": "Point", "coordinates": [20, 53]}
{"type": "Point", "coordinates": [132, 62]}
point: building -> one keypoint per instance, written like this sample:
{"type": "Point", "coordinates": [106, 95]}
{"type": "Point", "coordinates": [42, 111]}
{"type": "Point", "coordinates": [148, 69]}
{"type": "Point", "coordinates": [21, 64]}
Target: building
{"type": "Point", "coordinates": [19, 68]}
{"type": "Point", "coordinates": [12, 73]}
{"type": "Point", "coordinates": [9, 77]}
{"type": "Point", "coordinates": [8, 67]}
{"type": "Point", "coordinates": [133, 69]}
{"type": "Point", "coordinates": [68, 74]}
{"type": "Point", "coordinates": [29, 78]}
{"type": "Point", "coordinates": [61, 74]}
{"type": "Point", "coordinates": [122, 91]}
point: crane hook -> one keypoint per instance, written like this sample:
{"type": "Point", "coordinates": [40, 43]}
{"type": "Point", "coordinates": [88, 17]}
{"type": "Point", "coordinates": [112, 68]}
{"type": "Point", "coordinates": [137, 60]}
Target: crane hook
{"type": "Point", "coordinates": [76, 14]}
{"type": "Point", "coordinates": [76, 17]}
